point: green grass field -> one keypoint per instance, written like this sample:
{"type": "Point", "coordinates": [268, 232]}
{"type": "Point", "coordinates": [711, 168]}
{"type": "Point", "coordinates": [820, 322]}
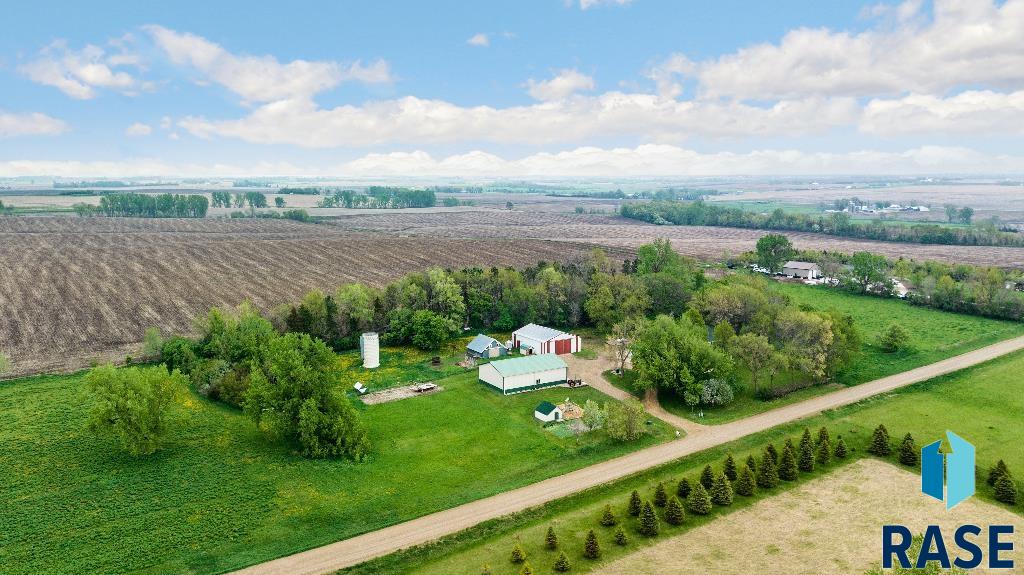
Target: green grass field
{"type": "Point", "coordinates": [983, 404]}
{"type": "Point", "coordinates": [220, 496]}
{"type": "Point", "coordinates": [935, 335]}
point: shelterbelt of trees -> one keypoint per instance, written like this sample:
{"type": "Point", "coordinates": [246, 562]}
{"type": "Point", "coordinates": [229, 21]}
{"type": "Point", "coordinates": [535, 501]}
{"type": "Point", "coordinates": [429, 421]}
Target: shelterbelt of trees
{"type": "Point", "coordinates": [380, 197]}
{"type": "Point", "coordinates": [700, 213]}
{"type": "Point", "coordinates": [147, 206]}
{"type": "Point", "coordinates": [975, 290]}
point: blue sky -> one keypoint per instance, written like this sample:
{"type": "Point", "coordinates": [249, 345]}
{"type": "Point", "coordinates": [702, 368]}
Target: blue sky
{"type": "Point", "coordinates": [590, 87]}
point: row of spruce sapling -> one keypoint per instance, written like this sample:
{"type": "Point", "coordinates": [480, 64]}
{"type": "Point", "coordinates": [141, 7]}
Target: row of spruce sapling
{"type": "Point", "coordinates": [701, 496]}
{"type": "Point", "coordinates": [999, 478]}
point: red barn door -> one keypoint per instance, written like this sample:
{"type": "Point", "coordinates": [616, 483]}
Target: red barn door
{"type": "Point", "coordinates": [563, 346]}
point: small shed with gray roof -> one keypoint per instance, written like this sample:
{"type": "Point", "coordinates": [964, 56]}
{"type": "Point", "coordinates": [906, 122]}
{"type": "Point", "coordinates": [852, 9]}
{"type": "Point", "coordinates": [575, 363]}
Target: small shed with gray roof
{"type": "Point", "coordinates": [484, 346]}
{"type": "Point", "coordinates": [524, 373]}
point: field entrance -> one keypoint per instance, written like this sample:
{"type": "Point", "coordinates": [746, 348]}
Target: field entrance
{"type": "Point", "coordinates": [830, 525]}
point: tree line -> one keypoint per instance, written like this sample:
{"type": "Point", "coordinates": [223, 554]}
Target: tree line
{"type": "Point", "coordinates": [147, 206]}
{"type": "Point", "coordinates": [700, 213]}
{"type": "Point", "coordinates": [238, 199]}
{"type": "Point", "coordinates": [380, 197]}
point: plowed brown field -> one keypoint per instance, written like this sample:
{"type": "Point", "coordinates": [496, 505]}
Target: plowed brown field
{"type": "Point", "coordinates": [74, 290]}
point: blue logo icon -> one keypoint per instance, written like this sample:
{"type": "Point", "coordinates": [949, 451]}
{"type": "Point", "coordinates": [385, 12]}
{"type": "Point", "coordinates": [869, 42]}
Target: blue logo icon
{"type": "Point", "coordinates": [959, 475]}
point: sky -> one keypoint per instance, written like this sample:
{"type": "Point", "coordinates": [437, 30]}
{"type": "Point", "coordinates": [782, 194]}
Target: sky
{"type": "Point", "coordinates": [512, 89]}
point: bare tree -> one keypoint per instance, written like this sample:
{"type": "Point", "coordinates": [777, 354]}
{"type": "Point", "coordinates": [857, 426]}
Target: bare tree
{"type": "Point", "coordinates": [619, 340]}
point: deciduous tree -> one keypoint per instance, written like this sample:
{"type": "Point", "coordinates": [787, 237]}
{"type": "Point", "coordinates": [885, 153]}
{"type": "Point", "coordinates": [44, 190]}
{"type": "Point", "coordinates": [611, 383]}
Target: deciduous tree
{"type": "Point", "coordinates": [132, 404]}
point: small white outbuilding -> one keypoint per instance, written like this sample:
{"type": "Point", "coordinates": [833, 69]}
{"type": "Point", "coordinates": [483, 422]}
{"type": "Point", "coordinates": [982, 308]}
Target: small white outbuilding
{"type": "Point", "coordinates": [804, 270]}
{"type": "Point", "coordinates": [547, 412]}
{"type": "Point", "coordinates": [524, 373]}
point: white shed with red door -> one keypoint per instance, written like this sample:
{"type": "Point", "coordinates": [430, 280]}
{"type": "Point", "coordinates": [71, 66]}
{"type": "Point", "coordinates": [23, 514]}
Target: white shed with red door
{"type": "Point", "coordinates": [537, 339]}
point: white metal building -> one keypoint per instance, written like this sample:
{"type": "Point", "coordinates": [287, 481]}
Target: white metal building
{"type": "Point", "coordinates": [801, 270]}
{"type": "Point", "coordinates": [524, 373]}
{"type": "Point", "coordinates": [537, 339]}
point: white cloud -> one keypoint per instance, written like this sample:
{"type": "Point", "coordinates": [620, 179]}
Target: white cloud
{"type": "Point", "coordinates": [412, 120]}
{"type": "Point", "coordinates": [564, 84]}
{"type": "Point", "coordinates": [138, 129]}
{"type": "Point", "coordinates": [165, 123]}
{"type": "Point", "coordinates": [79, 73]}
{"type": "Point", "coordinates": [33, 124]}
{"type": "Point", "coordinates": [971, 112]}
{"type": "Point", "coordinates": [666, 160]}
{"type": "Point", "coordinates": [966, 42]}
{"type": "Point", "coordinates": [263, 78]}
{"type": "Point", "coordinates": [480, 39]}
{"type": "Point", "coordinates": [666, 73]}
{"type": "Point", "coordinates": [587, 4]}
{"type": "Point", "coordinates": [645, 160]}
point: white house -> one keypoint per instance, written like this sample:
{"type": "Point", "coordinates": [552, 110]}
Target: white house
{"type": "Point", "coordinates": [547, 412]}
{"type": "Point", "coordinates": [524, 373]}
{"type": "Point", "coordinates": [537, 339]}
{"type": "Point", "coordinates": [801, 270]}
{"type": "Point", "coordinates": [484, 346]}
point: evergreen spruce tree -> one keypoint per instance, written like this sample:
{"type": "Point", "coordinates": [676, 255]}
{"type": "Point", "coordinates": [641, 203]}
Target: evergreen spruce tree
{"type": "Point", "coordinates": [674, 512]}
{"type": "Point", "coordinates": [729, 468]}
{"type": "Point", "coordinates": [751, 463]}
{"type": "Point", "coordinates": [707, 477]}
{"type": "Point", "coordinates": [996, 471]}
{"type": "Point", "coordinates": [773, 453]}
{"type": "Point", "coordinates": [591, 548]}
{"type": "Point", "coordinates": [787, 464]}
{"type": "Point", "coordinates": [562, 563]}
{"type": "Point", "coordinates": [518, 555]}
{"type": "Point", "coordinates": [634, 504]}
{"type": "Point", "coordinates": [746, 483]}
{"type": "Point", "coordinates": [649, 520]}
{"type": "Point", "coordinates": [608, 518]}
{"type": "Point", "coordinates": [824, 456]}
{"type": "Point", "coordinates": [824, 437]}
{"type": "Point", "coordinates": [620, 537]}
{"type": "Point", "coordinates": [660, 497]}
{"type": "Point", "coordinates": [699, 502]}
{"type": "Point", "coordinates": [909, 455]}
{"type": "Point", "coordinates": [721, 493]}
{"type": "Point", "coordinates": [806, 460]}
{"type": "Point", "coordinates": [551, 540]}
{"type": "Point", "coordinates": [880, 444]}
{"type": "Point", "coordinates": [841, 450]}
{"type": "Point", "coordinates": [526, 570]}
{"type": "Point", "coordinates": [767, 475]}
{"type": "Point", "coordinates": [683, 489]}
{"type": "Point", "coordinates": [1006, 491]}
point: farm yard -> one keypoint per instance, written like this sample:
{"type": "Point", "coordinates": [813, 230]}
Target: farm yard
{"type": "Point", "coordinates": [982, 404]}
{"type": "Point", "coordinates": [76, 290]}
{"type": "Point", "coordinates": [219, 495]}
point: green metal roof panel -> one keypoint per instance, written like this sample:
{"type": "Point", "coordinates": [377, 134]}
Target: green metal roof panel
{"type": "Point", "coordinates": [545, 407]}
{"type": "Point", "coordinates": [528, 364]}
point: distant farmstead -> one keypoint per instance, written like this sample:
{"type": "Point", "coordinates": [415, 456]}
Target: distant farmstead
{"type": "Point", "coordinates": [487, 347]}
{"type": "Point", "coordinates": [804, 270]}
{"type": "Point", "coordinates": [547, 412]}
{"type": "Point", "coordinates": [524, 373]}
{"type": "Point", "coordinates": [537, 339]}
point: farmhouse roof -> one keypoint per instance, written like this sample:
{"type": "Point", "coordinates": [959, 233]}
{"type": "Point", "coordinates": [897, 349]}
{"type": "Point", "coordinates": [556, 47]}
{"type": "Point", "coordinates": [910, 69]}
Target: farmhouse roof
{"type": "Point", "coordinates": [538, 332]}
{"type": "Point", "coordinates": [801, 265]}
{"type": "Point", "coordinates": [481, 343]}
{"type": "Point", "coordinates": [528, 364]}
{"type": "Point", "coordinates": [545, 408]}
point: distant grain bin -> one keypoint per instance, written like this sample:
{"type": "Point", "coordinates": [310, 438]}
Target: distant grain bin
{"type": "Point", "coordinates": [369, 350]}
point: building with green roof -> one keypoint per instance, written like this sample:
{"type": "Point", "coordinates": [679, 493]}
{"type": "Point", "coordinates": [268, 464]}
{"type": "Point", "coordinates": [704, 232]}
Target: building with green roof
{"type": "Point", "coordinates": [524, 373]}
